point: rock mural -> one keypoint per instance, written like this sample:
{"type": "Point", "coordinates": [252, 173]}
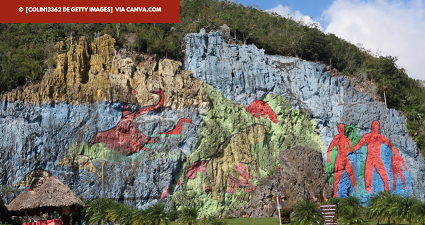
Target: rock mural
{"type": "Point", "coordinates": [61, 124]}
{"type": "Point", "coordinates": [34, 179]}
{"type": "Point", "coordinates": [231, 125]}
{"type": "Point", "coordinates": [259, 107]}
{"type": "Point", "coordinates": [227, 164]}
{"type": "Point", "coordinates": [368, 164]}
{"type": "Point", "coordinates": [342, 163]}
{"type": "Point", "coordinates": [125, 136]}
{"type": "Point", "coordinates": [243, 74]}
{"type": "Point", "coordinates": [300, 175]}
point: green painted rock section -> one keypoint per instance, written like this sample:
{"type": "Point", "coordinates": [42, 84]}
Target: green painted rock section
{"type": "Point", "coordinates": [224, 118]}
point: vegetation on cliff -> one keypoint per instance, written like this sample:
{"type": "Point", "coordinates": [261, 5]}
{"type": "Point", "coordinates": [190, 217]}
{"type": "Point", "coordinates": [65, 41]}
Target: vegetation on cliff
{"type": "Point", "coordinates": [27, 50]}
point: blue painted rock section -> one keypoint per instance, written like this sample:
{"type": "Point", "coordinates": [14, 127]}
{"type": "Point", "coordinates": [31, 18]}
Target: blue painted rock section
{"type": "Point", "coordinates": [244, 74]}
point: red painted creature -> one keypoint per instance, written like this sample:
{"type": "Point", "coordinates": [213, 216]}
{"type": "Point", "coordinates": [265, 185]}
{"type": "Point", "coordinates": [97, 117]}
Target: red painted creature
{"type": "Point", "coordinates": [125, 136]}
{"type": "Point", "coordinates": [373, 160]}
{"type": "Point", "coordinates": [199, 166]}
{"type": "Point", "coordinates": [226, 169]}
{"type": "Point", "coordinates": [235, 183]}
{"type": "Point", "coordinates": [178, 128]}
{"type": "Point", "coordinates": [341, 162]}
{"type": "Point", "coordinates": [396, 161]}
{"type": "Point", "coordinates": [259, 107]}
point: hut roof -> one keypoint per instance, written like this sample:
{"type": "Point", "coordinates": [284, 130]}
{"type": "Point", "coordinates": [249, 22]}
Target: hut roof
{"type": "Point", "coordinates": [52, 193]}
{"type": "Point", "coordinates": [19, 202]}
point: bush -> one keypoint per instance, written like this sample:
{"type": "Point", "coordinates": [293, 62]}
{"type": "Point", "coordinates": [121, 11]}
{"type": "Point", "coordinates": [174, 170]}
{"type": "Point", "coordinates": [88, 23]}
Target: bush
{"type": "Point", "coordinates": [307, 212]}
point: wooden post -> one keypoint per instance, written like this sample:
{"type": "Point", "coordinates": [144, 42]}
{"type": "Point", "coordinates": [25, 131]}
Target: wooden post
{"type": "Point", "coordinates": [26, 215]}
{"type": "Point", "coordinates": [70, 216]}
{"type": "Point", "coordinates": [79, 216]}
{"type": "Point", "coordinates": [41, 219]}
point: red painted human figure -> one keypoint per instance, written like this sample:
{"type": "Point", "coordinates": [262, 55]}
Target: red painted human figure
{"type": "Point", "coordinates": [125, 136]}
{"type": "Point", "coordinates": [373, 160]}
{"type": "Point", "coordinates": [178, 128]}
{"type": "Point", "coordinates": [396, 161]}
{"type": "Point", "coordinates": [341, 162]}
{"type": "Point", "coordinates": [263, 109]}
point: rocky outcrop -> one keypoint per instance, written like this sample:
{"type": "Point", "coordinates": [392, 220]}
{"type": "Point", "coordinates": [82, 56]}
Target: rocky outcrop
{"type": "Point", "coordinates": [299, 176]}
{"type": "Point", "coordinates": [236, 149]}
{"type": "Point", "coordinates": [95, 72]}
{"type": "Point", "coordinates": [50, 125]}
{"type": "Point", "coordinates": [244, 74]}
{"type": "Point", "coordinates": [120, 113]}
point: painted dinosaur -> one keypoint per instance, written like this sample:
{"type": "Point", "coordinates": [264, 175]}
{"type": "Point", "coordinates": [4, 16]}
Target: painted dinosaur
{"type": "Point", "coordinates": [259, 107]}
{"type": "Point", "coordinates": [125, 136]}
{"type": "Point", "coordinates": [178, 128]}
{"type": "Point", "coordinates": [227, 165]}
{"type": "Point", "coordinates": [81, 161]}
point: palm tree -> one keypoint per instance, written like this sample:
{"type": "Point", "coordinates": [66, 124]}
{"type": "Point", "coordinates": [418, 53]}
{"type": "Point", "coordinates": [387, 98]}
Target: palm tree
{"type": "Point", "coordinates": [157, 214]}
{"type": "Point", "coordinates": [96, 211]}
{"type": "Point", "coordinates": [120, 213]}
{"type": "Point", "coordinates": [188, 216]}
{"type": "Point", "coordinates": [407, 208]}
{"type": "Point", "coordinates": [349, 211]}
{"type": "Point", "coordinates": [382, 206]}
{"type": "Point", "coordinates": [372, 211]}
{"type": "Point", "coordinates": [420, 219]}
{"type": "Point", "coordinates": [306, 212]}
{"type": "Point", "coordinates": [139, 217]}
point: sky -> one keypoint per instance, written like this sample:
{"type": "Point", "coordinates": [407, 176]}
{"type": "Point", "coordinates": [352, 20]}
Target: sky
{"type": "Point", "coordinates": [385, 27]}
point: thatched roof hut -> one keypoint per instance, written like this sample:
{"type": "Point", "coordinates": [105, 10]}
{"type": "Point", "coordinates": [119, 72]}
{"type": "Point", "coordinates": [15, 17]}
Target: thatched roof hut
{"type": "Point", "coordinates": [18, 204]}
{"type": "Point", "coordinates": [51, 194]}
{"type": "Point", "coordinates": [54, 193]}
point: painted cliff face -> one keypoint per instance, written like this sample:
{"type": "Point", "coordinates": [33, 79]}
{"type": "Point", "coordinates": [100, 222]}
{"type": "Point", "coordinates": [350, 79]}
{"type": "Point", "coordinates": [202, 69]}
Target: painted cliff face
{"type": "Point", "coordinates": [235, 150]}
{"type": "Point", "coordinates": [138, 121]}
{"type": "Point", "coordinates": [387, 160]}
{"type": "Point", "coordinates": [218, 125]}
{"type": "Point", "coordinates": [365, 165]}
{"type": "Point", "coordinates": [226, 168]}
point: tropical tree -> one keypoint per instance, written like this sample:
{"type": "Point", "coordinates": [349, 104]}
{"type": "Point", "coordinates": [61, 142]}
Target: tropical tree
{"type": "Point", "coordinates": [306, 212]}
{"type": "Point", "coordinates": [157, 215]}
{"type": "Point", "coordinates": [96, 211]}
{"type": "Point", "coordinates": [382, 206]}
{"type": "Point", "coordinates": [349, 211]}
{"type": "Point", "coordinates": [407, 208]}
{"type": "Point", "coordinates": [188, 216]}
{"type": "Point", "coordinates": [139, 217]}
{"type": "Point", "coordinates": [121, 214]}
{"type": "Point", "coordinates": [420, 219]}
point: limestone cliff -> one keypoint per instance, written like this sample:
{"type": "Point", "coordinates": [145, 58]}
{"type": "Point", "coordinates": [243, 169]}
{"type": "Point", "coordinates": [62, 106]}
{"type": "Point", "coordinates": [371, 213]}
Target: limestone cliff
{"type": "Point", "coordinates": [244, 74]}
{"type": "Point", "coordinates": [51, 125]}
{"type": "Point", "coordinates": [218, 124]}
{"type": "Point", "coordinates": [95, 72]}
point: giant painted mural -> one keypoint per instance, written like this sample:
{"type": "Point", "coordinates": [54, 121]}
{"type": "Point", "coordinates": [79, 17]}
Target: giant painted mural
{"type": "Point", "coordinates": [372, 165]}
{"type": "Point", "coordinates": [216, 124]}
